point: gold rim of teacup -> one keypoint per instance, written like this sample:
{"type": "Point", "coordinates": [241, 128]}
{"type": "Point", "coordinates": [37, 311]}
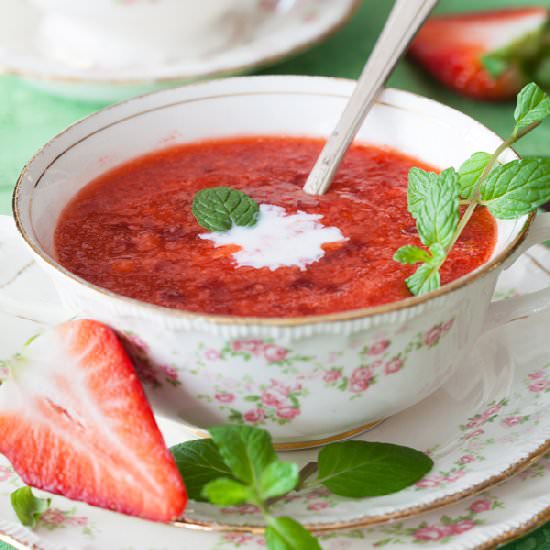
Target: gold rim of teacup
{"type": "Point", "coordinates": [361, 313]}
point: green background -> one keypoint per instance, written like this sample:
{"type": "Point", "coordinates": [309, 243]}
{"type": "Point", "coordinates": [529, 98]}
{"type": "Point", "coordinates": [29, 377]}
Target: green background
{"type": "Point", "coordinates": [28, 118]}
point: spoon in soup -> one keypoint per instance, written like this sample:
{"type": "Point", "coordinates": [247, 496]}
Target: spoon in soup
{"type": "Point", "coordinates": [402, 24]}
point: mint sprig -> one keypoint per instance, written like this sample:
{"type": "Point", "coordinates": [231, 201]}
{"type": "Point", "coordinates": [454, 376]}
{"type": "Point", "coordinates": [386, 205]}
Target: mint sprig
{"type": "Point", "coordinates": [288, 534]}
{"type": "Point", "coordinates": [219, 208]}
{"type": "Point", "coordinates": [509, 191]}
{"type": "Point", "coordinates": [27, 507]}
{"type": "Point", "coordinates": [364, 469]}
{"type": "Point", "coordinates": [258, 477]}
{"type": "Point", "coordinates": [200, 462]}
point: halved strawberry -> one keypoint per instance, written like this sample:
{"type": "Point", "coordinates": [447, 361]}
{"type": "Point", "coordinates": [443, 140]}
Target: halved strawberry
{"type": "Point", "coordinates": [74, 421]}
{"type": "Point", "coordinates": [484, 55]}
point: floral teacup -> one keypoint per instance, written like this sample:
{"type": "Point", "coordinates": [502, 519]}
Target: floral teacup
{"type": "Point", "coordinates": [120, 33]}
{"type": "Point", "coordinates": [308, 380]}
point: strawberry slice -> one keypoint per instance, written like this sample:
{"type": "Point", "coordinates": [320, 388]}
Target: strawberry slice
{"type": "Point", "coordinates": [485, 55]}
{"type": "Point", "coordinates": [74, 421]}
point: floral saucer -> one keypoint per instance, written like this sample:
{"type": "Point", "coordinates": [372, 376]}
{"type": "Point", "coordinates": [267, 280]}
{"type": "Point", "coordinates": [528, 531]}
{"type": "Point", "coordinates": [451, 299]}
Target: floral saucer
{"type": "Point", "coordinates": [488, 423]}
{"type": "Point", "coordinates": [273, 36]}
{"type": "Point", "coordinates": [482, 521]}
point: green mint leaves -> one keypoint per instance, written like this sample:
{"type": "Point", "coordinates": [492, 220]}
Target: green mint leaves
{"type": "Point", "coordinates": [410, 254]}
{"type": "Point", "coordinates": [218, 208]}
{"type": "Point", "coordinates": [435, 204]}
{"type": "Point", "coordinates": [516, 188]}
{"type": "Point", "coordinates": [246, 450]}
{"type": "Point", "coordinates": [226, 492]}
{"type": "Point", "coordinates": [363, 469]}
{"type": "Point", "coordinates": [199, 463]}
{"type": "Point", "coordinates": [27, 507]}
{"type": "Point", "coordinates": [470, 172]}
{"type": "Point", "coordinates": [239, 465]}
{"type": "Point", "coordinates": [508, 191]}
{"type": "Point", "coordinates": [288, 534]}
{"type": "Point", "coordinates": [278, 479]}
{"type": "Point", "coordinates": [533, 106]}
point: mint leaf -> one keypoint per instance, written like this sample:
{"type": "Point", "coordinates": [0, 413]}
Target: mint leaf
{"type": "Point", "coordinates": [410, 254]}
{"type": "Point", "coordinates": [287, 534]}
{"type": "Point", "coordinates": [227, 492]}
{"type": "Point", "coordinates": [246, 450]}
{"type": "Point", "coordinates": [279, 478]}
{"type": "Point", "coordinates": [516, 188]}
{"type": "Point", "coordinates": [427, 276]}
{"type": "Point", "coordinates": [533, 106]}
{"type": "Point", "coordinates": [363, 469]}
{"type": "Point", "coordinates": [426, 279]}
{"type": "Point", "coordinates": [27, 507]}
{"type": "Point", "coordinates": [199, 462]}
{"type": "Point", "coordinates": [433, 202]}
{"type": "Point", "coordinates": [470, 172]}
{"type": "Point", "coordinates": [218, 208]}
{"type": "Point", "coordinates": [419, 187]}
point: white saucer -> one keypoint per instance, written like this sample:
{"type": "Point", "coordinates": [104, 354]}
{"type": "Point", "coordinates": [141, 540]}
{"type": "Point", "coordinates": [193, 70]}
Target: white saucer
{"type": "Point", "coordinates": [269, 40]}
{"type": "Point", "coordinates": [486, 424]}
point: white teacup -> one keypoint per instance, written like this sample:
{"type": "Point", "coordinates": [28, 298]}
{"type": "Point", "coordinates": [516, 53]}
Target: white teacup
{"type": "Point", "coordinates": [308, 380]}
{"type": "Point", "coordinates": [122, 33]}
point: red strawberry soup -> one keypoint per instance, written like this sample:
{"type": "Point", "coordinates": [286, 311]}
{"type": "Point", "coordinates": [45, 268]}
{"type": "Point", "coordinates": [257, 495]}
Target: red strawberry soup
{"type": "Point", "coordinates": [132, 230]}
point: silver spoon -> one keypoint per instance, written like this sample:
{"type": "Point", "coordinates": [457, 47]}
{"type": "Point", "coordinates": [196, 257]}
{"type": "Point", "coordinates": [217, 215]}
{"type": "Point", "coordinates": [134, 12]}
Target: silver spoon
{"type": "Point", "coordinates": [402, 24]}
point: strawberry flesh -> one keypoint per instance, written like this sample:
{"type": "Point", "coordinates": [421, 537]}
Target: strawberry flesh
{"type": "Point", "coordinates": [451, 48]}
{"type": "Point", "coordinates": [74, 421]}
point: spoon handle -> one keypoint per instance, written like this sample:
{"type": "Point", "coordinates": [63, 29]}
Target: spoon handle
{"type": "Point", "coordinates": [402, 24]}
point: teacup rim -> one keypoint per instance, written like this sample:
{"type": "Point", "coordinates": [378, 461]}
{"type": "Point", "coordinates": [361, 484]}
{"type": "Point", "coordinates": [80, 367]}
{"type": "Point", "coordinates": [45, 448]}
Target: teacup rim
{"type": "Point", "coordinates": [346, 315]}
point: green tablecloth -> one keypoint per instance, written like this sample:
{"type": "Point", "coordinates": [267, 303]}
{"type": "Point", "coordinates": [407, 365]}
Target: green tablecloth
{"type": "Point", "coordinates": [28, 118]}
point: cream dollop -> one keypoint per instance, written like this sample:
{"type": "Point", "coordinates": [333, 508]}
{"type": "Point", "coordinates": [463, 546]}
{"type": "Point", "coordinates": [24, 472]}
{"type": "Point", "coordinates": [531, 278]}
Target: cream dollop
{"type": "Point", "coordinates": [278, 239]}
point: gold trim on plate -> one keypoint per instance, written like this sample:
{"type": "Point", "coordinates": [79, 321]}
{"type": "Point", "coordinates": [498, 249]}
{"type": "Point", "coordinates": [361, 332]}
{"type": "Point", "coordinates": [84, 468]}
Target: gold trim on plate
{"type": "Point", "coordinates": [538, 520]}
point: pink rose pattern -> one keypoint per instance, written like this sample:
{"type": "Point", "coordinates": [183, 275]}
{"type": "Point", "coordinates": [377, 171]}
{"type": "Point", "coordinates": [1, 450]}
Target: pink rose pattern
{"type": "Point", "coordinates": [5, 473]}
{"type": "Point", "coordinates": [54, 518]}
{"type": "Point", "coordinates": [476, 436]}
{"type": "Point", "coordinates": [378, 360]}
{"type": "Point", "coordinates": [249, 349]}
{"type": "Point", "coordinates": [539, 381]}
{"type": "Point", "coordinates": [442, 531]}
{"type": "Point", "coordinates": [439, 531]}
{"type": "Point", "coordinates": [276, 402]}
{"type": "Point", "coordinates": [149, 373]}
{"type": "Point", "coordinates": [237, 539]}
{"type": "Point", "coordinates": [481, 505]}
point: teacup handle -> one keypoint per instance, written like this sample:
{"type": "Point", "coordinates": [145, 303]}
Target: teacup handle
{"type": "Point", "coordinates": [15, 261]}
{"type": "Point", "coordinates": [512, 309]}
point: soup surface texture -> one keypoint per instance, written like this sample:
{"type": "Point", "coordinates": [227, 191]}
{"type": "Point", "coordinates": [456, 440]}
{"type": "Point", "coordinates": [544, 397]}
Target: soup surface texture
{"type": "Point", "coordinates": [132, 230]}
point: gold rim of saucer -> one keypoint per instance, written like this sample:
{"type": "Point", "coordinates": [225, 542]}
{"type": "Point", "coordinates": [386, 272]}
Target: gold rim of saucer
{"type": "Point", "coordinates": [268, 59]}
{"type": "Point", "coordinates": [538, 520]}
